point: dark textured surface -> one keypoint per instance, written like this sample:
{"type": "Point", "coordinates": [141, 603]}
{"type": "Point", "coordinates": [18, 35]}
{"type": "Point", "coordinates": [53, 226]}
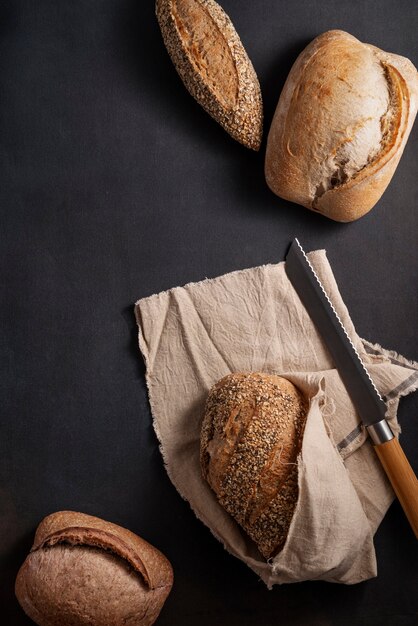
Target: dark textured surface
{"type": "Point", "coordinates": [114, 184]}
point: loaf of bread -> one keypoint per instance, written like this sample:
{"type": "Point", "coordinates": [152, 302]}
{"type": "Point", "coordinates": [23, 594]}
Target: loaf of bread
{"type": "Point", "coordinates": [210, 59]}
{"type": "Point", "coordinates": [251, 435]}
{"type": "Point", "coordinates": [83, 571]}
{"type": "Point", "coordinates": [340, 126]}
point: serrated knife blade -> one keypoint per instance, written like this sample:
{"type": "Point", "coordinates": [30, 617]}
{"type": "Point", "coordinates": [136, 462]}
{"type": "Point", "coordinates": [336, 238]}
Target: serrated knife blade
{"type": "Point", "coordinates": [369, 404]}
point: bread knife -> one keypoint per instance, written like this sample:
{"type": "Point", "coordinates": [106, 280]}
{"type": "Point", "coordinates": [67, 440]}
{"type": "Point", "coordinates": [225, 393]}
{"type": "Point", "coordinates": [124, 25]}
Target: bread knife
{"type": "Point", "coordinates": [367, 400]}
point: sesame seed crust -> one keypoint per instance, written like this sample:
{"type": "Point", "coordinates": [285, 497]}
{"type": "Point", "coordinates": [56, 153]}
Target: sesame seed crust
{"type": "Point", "coordinates": [251, 435]}
{"type": "Point", "coordinates": [209, 56]}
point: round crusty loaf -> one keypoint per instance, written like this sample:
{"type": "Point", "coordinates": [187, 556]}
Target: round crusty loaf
{"type": "Point", "coordinates": [340, 126]}
{"type": "Point", "coordinates": [213, 65]}
{"type": "Point", "coordinates": [250, 438]}
{"type": "Point", "coordinates": [84, 571]}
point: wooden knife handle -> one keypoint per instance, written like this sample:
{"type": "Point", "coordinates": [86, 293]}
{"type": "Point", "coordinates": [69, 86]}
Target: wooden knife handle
{"type": "Point", "coordinates": [402, 477]}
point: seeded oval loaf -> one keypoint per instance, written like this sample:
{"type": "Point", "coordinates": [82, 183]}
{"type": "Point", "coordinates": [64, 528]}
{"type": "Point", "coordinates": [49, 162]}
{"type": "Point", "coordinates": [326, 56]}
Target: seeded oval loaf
{"type": "Point", "coordinates": [83, 571]}
{"type": "Point", "coordinates": [340, 126]}
{"type": "Point", "coordinates": [211, 60]}
{"type": "Point", "coordinates": [251, 435]}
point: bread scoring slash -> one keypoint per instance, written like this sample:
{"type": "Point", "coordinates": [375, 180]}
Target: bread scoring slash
{"type": "Point", "coordinates": [213, 65]}
{"type": "Point", "coordinates": [340, 126]}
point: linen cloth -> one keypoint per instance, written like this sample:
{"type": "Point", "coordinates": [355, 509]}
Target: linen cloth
{"type": "Point", "coordinates": [253, 320]}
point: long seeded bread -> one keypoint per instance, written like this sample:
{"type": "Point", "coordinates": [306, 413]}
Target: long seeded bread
{"type": "Point", "coordinates": [340, 126]}
{"type": "Point", "coordinates": [251, 435]}
{"type": "Point", "coordinates": [214, 66]}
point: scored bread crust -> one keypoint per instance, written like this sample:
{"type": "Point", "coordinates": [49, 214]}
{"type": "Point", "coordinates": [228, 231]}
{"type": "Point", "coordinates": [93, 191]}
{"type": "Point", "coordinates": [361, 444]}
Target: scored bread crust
{"type": "Point", "coordinates": [340, 126]}
{"type": "Point", "coordinates": [82, 529]}
{"type": "Point", "coordinates": [82, 569]}
{"type": "Point", "coordinates": [250, 438]}
{"type": "Point", "coordinates": [209, 56]}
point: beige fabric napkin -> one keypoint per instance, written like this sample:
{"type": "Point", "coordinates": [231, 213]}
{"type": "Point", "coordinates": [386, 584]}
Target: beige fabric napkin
{"type": "Point", "coordinates": [253, 320]}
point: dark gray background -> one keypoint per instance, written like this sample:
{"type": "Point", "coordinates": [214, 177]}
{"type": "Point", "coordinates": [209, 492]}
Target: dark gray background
{"type": "Point", "coordinates": [114, 184]}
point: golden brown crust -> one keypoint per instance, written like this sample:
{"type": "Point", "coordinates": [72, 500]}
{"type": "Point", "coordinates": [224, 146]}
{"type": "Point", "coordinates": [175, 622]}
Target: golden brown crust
{"type": "Point", "coordinates": [340, 126]}
{"type": "Point", "coordinates": [84, 570]}
{"type": "Point", "coordinates": [250, 438]}
{"type": "Point", "coordinates": [211, 60]}
{"type": "Point", "coordinates": [90, 530]}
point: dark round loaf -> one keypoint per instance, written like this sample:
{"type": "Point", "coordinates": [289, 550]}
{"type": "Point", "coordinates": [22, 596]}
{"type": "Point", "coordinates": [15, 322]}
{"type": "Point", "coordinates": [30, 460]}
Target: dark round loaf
{"type": "Point", "coordinates": [251, 435]}
{"type": "Point", "coordinates": [84, 571]}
